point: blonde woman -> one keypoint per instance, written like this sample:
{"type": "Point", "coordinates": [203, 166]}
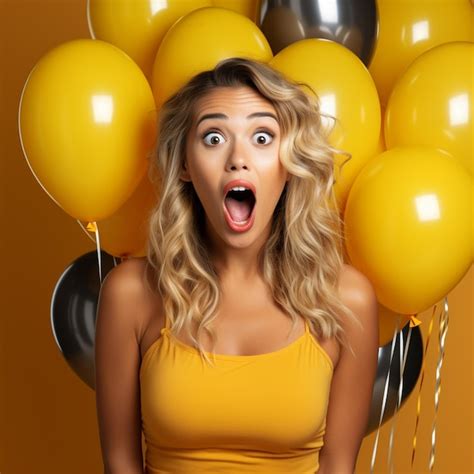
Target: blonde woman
{"type": "Point", "coordinates": [242, 342]}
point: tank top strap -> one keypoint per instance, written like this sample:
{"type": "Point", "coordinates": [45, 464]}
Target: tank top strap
{"type": "Point", "coordinates": [306, 326]}
{"type": "Point", "coordinates": [167, 325]}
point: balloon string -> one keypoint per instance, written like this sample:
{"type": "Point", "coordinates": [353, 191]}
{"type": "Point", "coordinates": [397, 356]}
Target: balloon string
{"type": "Point", "coordinates": [392, 430]}
{"type": "Point", "coordinates": [99, 259]}
{"type": "Point", "coordinates": [400, 392]}
{"type": "Point", "coordinates": [84, 229]}
{"type": "Point", "coordinates": [443, 330]}
{"type": "Point", "coordinates": [384, 399]}
{"type": "Point", "coordinates": [93, 227]}
{"type": "Point", "coordinates": [418, 402]}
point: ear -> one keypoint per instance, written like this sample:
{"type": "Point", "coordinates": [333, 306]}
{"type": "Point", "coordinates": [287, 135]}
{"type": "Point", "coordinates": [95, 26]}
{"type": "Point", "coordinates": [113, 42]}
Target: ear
{"type": "Point", "coordinates": [185, 173]}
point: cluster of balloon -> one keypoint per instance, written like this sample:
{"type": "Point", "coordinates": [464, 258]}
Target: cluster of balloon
{"type": "Point", "coordinates": [409, 213]}
{"type": "Point", "coordinates": [73, 312]}
{"type": "Point", "coordinates": [399, 105]}
{"type": "Point", "coordinates": [408, 217]}
{"type": "Point", "coordinates": [409, 29]}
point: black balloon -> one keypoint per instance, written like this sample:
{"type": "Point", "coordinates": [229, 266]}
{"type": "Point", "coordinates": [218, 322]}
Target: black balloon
{"type": "Point", "coordinates": [411, 373]}
{"type": "Point", "coordinates": [73, 312]}
{"type": "Point", "coordinates": [352, 23]}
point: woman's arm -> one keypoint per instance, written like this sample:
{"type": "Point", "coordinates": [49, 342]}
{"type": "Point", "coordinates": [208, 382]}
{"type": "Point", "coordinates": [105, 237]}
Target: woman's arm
{"type": "Point", "coordinates": [117, 362]}
{"type": "Point", "coordinates": [353, 379]}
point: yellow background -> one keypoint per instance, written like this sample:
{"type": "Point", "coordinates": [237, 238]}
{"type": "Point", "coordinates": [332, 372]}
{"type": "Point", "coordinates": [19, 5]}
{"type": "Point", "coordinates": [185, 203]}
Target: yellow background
{"type": "Point", "coordinates": [47, 414]}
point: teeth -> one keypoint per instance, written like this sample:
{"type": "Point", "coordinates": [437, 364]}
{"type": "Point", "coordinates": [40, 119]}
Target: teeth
{"type": "Point", "coordinates": [238, 188]}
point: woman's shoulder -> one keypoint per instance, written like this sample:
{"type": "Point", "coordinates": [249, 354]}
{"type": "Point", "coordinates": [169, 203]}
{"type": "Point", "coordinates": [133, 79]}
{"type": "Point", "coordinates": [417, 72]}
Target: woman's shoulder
{"type": "Point", "coordinates": [127, 284]}
{"type": "Point", "coordinates": [353, 283]}
{"type": "Point", "coordinates": [128, 276]}
{"type": "Point", "coordinates": [357, 292]}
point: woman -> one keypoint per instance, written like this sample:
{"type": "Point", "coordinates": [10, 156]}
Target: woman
{"type": "Point", "coordinates": [242, 342]}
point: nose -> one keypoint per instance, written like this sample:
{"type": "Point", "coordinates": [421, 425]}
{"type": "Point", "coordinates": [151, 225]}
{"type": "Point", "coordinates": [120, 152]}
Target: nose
{"type": "Point", "coordinates": [238, 156]}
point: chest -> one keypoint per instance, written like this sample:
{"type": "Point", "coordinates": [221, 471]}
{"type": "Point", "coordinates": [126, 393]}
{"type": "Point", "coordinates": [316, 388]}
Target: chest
{"type": "Point", "coordinates": [248, 322]}
{"type": "Point", "coordinates": [249, 326]}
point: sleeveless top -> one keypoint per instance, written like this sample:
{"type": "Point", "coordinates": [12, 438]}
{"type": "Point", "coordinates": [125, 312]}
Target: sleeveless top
{"type": "Point", "coordinates": [249, 413]}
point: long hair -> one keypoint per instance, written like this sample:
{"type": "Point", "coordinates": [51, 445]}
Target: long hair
{"type": "Point", "coordinates": [304, 254]}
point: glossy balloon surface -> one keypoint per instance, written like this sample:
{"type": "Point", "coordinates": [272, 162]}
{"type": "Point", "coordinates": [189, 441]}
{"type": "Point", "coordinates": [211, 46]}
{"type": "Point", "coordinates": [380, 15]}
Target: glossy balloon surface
{"type": "Point", "coordinates": [433, 103]}
{"type": "Point", "coordinates": [407, 29]}
{"type": "Point", "coordinates": [198, 41]}
{"type": "Point", "coordinates": [407, 226]}
{"type": "Point", "coordinates": [352, 24]}
{"type": "Point", "coordinates": [87, 121]}
{"type": "Point", "coordinates": [73, 312]}
{"type": "Point", "coordinates": [137, 26]}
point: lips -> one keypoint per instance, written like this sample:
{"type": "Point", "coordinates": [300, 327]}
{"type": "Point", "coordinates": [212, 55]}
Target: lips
{"type": "Point", "coordinates": [240, 182]}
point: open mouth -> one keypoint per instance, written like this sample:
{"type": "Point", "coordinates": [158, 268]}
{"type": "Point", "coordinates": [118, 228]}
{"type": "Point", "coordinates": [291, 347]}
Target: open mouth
{"type": "Point", "coordinates": [240, 204]}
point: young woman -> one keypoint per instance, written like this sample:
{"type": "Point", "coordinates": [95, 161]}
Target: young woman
{"type": "Point", "coordinates": [242, 342]}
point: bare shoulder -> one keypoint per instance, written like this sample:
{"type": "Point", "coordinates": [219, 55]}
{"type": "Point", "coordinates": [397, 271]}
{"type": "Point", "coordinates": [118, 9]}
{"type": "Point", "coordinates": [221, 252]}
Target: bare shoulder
{"type": "Point", "coordinates": [126, 285]}
{"type": "Point", "coordinates": [130, 272]}
{"type": "Point", "coordinates": [353, 282]}
{"type": "Point", "coordinates": [357, 292]}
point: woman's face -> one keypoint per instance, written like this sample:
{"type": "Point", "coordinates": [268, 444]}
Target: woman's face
{"type": "Point", "coordinates": [235, 135]}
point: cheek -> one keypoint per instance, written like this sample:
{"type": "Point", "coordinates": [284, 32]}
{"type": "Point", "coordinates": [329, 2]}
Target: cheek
{"type": "Point", "coordinates": [197, 169]}
{"type": "Point", "coordinates": [272, 166]}
{"type": "Point", "coordinates": [206, 178]}
{"type": "Point", "coordinates": [205, 182]}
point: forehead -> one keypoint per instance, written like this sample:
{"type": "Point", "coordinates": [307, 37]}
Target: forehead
{"type": "Point", "coordinates": [232, 99]}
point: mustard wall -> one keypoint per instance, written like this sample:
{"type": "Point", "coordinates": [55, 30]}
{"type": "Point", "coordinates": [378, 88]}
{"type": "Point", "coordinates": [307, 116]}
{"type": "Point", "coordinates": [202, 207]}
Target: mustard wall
{"type": "Point", "coordinates": [47, 414]}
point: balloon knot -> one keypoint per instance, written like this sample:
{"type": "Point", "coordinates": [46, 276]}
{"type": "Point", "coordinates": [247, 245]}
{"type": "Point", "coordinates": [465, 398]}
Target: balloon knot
{"type": "Point", "coordinates": [414, 321]}
{"type": "Point", "coordinates": [91, 226]}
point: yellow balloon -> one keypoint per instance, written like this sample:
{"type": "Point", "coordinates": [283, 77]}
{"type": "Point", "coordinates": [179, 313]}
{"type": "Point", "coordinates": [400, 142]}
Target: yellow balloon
{"type": "Point", "coordinates": [87, 121]}
{"type": "Point", "coordinates": [137, 26]}
{"type": "Point", "coordinates": [408, 226]}
{"type": "Point", "coordinates": [249, 8]}
{"type": "Point", "coordinates": [125, 233]}
{"type": "Point", "coordinates": [326, 66]}
{"type": "Point", "coordinates": [432, 103]}
{"type": "Point", "coordinates": [198, 41]}
{"type": "Point", "coordinates": [381, 147]}
{"type": "Point", "coordinates": [409, 28]}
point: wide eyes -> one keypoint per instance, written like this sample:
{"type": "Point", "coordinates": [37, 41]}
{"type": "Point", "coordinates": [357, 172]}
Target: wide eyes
{"type": "Point", "coordinates": [214, 138]}
{"type": "Point", "coordinates": [263, 138]}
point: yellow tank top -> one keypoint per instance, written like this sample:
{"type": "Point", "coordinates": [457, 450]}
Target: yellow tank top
{"type": "Point", "coordinates": [261, 413]}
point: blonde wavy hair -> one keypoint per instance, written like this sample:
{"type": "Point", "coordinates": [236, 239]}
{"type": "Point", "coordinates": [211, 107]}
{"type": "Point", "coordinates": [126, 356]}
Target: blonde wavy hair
{"type": "Point", "coordinates": [304, 254]}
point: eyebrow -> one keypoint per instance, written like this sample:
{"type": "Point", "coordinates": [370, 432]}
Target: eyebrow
{"type": "Point", "coordinates": [223, 116]}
